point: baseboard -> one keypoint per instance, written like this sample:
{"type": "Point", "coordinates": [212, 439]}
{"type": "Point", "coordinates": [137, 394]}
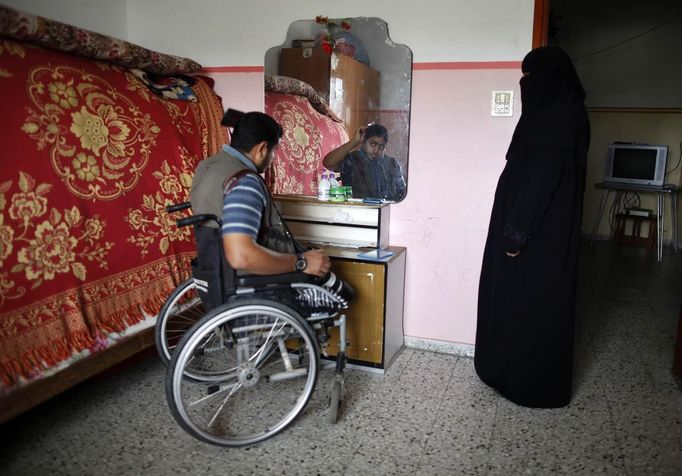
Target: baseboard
{"type": "Point", "coordinates": [442, 347]}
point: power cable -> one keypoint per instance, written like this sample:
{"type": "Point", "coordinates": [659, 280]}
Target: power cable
{"type": "Point", "coordinates": [679, 159]}
{"type": "Point", "coordinates": [631, 200]}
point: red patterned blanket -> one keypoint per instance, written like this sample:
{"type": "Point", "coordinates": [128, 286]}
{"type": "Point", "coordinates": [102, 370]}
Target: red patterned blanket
{"type": "Point", "coordinates": [90, 157]}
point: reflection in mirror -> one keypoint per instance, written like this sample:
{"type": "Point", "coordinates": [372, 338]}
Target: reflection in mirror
{"type": "Point", "coordinates": [324, 85]}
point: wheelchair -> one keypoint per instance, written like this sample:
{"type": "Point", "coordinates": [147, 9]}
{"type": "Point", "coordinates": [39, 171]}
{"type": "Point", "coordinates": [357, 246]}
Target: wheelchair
{"type": "Point", "coordinates": [244, 370]}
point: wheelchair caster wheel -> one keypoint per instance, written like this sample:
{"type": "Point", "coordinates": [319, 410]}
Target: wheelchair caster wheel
{"type": "Point", "coordinates": [335, 399]}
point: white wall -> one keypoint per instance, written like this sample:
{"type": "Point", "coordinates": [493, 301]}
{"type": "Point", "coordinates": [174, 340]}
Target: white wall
{"type": "Point", "coordinates": [108, 17]}
{"type": "Point", "coordinates": [232, 32]}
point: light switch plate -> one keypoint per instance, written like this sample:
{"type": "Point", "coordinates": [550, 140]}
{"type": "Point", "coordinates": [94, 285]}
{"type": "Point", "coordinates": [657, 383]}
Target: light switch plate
{"type": "Point", "coordinates": [502, 103]}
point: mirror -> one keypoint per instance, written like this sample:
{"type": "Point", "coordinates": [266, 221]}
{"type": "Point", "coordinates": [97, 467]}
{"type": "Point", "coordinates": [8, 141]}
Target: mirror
{"type": "Point", "coordinates": [347, 73]}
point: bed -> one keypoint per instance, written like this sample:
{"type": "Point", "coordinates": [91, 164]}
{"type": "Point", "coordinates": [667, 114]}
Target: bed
{"type": "Point", "coordinates": [311, 130]}
{"type": "Point", "coordinates": [98, 136]}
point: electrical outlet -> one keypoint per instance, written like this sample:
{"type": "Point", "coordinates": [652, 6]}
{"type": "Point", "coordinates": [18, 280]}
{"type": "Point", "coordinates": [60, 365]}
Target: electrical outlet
{"type": "Point", "coordinates": [502, 103]}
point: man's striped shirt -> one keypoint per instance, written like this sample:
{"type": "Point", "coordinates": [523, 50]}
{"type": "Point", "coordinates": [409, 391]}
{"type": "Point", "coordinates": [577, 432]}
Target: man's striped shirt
{"type": "Point", "coordinates": [243, 206]}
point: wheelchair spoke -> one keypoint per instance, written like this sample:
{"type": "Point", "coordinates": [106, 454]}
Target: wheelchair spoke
{"type": "Point", "coordinates": [179, 312]}
{"type": "Point", "coordinates": [266, 344]}
{"type": "Point", "coordinates": [221, 389]}
{"type": "Point", "coordinates": [220, 409]}
{"type": "Point", "coordinates": [195, 366]}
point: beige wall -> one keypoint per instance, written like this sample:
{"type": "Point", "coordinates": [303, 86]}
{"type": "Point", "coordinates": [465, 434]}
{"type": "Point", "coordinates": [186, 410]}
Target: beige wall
{"type": "Point", "coordinates": [657, 127]}
{"type": "Point", "coordinates": [626, 52]}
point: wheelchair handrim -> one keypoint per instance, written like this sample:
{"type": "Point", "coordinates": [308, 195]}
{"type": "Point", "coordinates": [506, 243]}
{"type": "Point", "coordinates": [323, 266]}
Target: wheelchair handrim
{"type": "Point", "coordinates": [201, 333]}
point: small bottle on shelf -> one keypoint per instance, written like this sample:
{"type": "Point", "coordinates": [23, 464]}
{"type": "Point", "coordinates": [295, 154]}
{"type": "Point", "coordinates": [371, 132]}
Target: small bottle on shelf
{"type": "Point", "coordinates": [332, 180]}
{"type": "Point", "coordinates": [323, 187]}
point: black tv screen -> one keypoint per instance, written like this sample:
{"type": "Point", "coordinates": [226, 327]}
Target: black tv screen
{"type": "Point", "coordinates": [635, 163]}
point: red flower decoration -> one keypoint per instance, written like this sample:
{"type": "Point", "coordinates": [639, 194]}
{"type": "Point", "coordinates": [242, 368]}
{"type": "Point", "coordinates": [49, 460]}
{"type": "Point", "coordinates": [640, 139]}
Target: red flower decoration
{"type": "Point", "coordinates": [330, 41]}
{"type": "Point", "coordinates": [327, 47]}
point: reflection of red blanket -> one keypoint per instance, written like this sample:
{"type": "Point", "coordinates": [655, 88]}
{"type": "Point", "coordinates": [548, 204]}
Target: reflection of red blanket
{"type": "Point", "coordinates": [308, 136]}
{"type": "Point", "coordinates": [90, 157]}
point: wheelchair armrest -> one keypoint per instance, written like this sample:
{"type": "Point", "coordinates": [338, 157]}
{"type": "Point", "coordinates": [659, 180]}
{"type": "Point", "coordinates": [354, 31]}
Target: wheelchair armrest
{"type": "Point", "coordinates": [178, 206]}
{"type": "Point", "coordinates": [196, 220]}
{"type": "Point", "coordinates": [258, 280]}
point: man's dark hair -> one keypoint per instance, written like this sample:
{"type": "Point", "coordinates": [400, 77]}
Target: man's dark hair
{"type": "Point", "coordinates": [376, 130]}
{"type": "Point", "coordinates": [251, 128]}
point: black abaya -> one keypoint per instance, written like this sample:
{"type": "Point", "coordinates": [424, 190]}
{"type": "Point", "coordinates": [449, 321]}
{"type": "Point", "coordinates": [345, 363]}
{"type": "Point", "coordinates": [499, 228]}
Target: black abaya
{"type": "Point", "coordinates": [524, 336]}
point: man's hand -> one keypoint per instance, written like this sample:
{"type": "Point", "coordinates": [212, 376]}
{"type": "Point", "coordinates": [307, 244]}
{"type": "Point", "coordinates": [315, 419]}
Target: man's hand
{"type": "Point", "coordinates": [359, 135]}
{"type": "Point", "coordinates": [317, 263]}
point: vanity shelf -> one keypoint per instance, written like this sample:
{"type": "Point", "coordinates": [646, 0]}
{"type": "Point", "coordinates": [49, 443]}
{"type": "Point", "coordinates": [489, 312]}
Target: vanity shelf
{"type": "Point", "coordinates": [342, 224]}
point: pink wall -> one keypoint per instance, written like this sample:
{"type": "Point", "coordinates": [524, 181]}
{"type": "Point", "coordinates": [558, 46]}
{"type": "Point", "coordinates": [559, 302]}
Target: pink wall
{"type": "Point", "coordinates": [240, 88]}
{"type": "Point", "coordinates": [456, 155]}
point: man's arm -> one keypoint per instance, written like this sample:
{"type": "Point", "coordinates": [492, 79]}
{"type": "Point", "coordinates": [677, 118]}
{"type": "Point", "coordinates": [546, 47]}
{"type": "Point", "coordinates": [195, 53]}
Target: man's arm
{"type": "Point", "coordinates": [336, 156]}
{"type": "Point", "coordinates": [244, 254]}
{"type": "Point", "coordinates": [242, 213]}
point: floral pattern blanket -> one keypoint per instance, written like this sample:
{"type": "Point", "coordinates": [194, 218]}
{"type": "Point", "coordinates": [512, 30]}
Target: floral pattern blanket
{"type": "Point", "coordinates": [90, 158]}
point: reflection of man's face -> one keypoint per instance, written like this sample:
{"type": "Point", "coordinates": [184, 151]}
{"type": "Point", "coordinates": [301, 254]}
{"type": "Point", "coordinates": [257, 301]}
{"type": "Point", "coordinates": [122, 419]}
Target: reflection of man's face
{"type": "Point", "coordinates": [373, 147]}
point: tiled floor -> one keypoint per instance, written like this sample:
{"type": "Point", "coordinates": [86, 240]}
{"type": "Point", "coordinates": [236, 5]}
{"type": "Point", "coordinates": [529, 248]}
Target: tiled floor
{"type": "Point", "coordinates": [429, 415]}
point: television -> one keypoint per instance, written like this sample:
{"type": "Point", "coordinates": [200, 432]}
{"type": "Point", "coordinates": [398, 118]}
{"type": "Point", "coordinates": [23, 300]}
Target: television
{"type": "Point", "coordinates": [636, 164]}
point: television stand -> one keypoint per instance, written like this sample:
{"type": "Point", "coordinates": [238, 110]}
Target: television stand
{"type": "Point", "coordinates": [661, 192]}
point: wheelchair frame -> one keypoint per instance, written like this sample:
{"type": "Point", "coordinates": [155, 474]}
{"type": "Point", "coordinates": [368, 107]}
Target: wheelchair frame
{"type": "Point", "coordinates": [253, 352]}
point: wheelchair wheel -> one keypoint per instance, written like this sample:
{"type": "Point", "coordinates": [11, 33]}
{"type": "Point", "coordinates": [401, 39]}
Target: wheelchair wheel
{"type": "Point", "coordinates": [265, 362]}
{"type": "Point", "coordinates": [181, 310]}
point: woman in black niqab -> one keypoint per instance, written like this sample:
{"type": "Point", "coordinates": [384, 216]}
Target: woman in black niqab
{"type": "Point", "coordinates": [524, 335]}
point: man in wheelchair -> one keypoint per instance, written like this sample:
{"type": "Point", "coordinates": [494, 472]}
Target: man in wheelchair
{"type": "Point", "coordinates": [270, 303]}
{"type": "Point", "coordinates": [249, 237]}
